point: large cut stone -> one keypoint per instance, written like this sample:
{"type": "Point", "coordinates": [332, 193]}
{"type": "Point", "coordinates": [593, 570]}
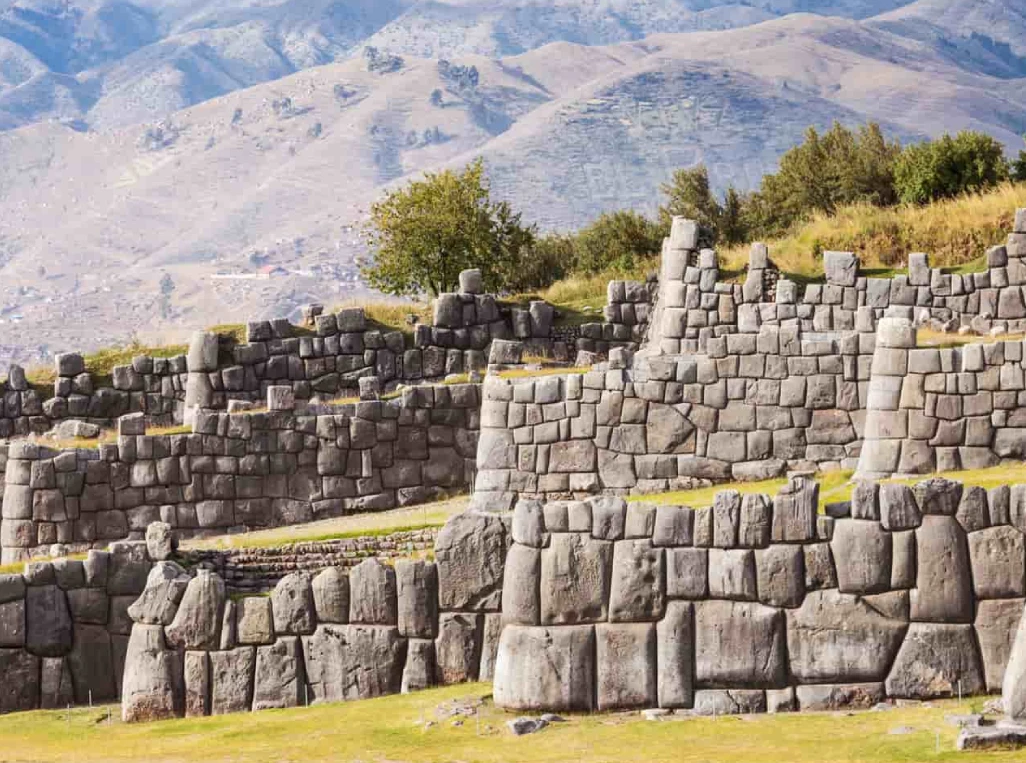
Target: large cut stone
{"type": "Point", "coordinates": [936, 661]}
{"type": "Point", "coordinates": [470, 552]}
{"type": "Point", "coordinates": [540, 668]}
{"type": "Point", "coordinates": [780, 575]}
{"type": "Point", "coordinates": [832, 697]}
{"type": "Point", "coordinates": [668, 429]}
{"type": "Point", "coordinates": [417, 597]}
{"type": "Point", "coordinates": [458, 646]}
{"type": "Point", "coordinates": [1013, 689]}
{"type": "Point", "coordinates": [638, 590]}
{"type": "Point", "coordinates": [944, 589]}
{"type": "Point", "coordinates": [152, 687]}
{"type": "Point", "coordinates": [331, 595]}
{"type": "Point", "coordinates": [92, 666]}
{"type": "Point", "coordinates": [996, 623]}
{"type": "Point", "coordinates": [47, 621]}
{"type": "Point", "coordinates": [196, 673]}
{"type": "Point", "coordinates": [231, 680]}
{"type": "Point", "coordinates": [255, 622]}
{"type": "Point", "coordinates": [575, 578]}
{"type": "Point", "coordinates": [520, 592]}
{"type": "Point", "coordinates": [838, 638]}
{"type": "Point", "coordinates": [372, 594]}
{"type": "Point", "coordinates": [739, 645]}
{"type": "Point", "coordinates": [625, 656]}
{"type": "Point", "coordinates": [165, 586]}
{"type": "Point", "coordinates": [12, 623]}
{"type": "Point", "coordinates": [20, 688]}
{"type": "Point", "coordinates": [841, 268]}
{"type": "Point", "coordinates": [419, 672]}
{"type": "Point", "coordinates": [56, 689]}
{"type": "Point", "coordinates": [862, 553]}
{"type": "Point", "coordinates": [279, 679]}
{"type": "Point", "coordinates": [197, 624]}
{"type": "Point", "coordinates": [675, 653]}
{"type": "Point", "coordinates": [292, 603]}
{"type": "Point", "coordinates": [353, 662]}
{"type": "Point", "coordinates": [999, 562]}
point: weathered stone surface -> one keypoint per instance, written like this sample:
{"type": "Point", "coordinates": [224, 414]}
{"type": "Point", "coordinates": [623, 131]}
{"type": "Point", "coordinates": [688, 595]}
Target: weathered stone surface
{"type": "Point", "coordinates": [673, 526]}
{"type": "Point", "coordinates": [739, 644]}
{"type": "Point", "coordinates": [417, 598]}
{"type": "Point", "coordinates": [638, 591]}
{"type": "Point", "coordinates": [458, 646]}
{"type": "Point", "coordinates": [197, 623]}
{"type": "Point", "coordinates": [372, 594]}
{"type": "Point", "coordinates": [998, 557]}
{"type": "Point", "coordinates": [575, 579]}
{"type": "Point", "coordinates": [47, 621]}
{"type": "Point", "coordinates": [152, 686]}
{"type": "Point", "coordinates": [841, 268]}
{"type": "Point", "coordinates": [608, 517]}
{"type": "Point", "coordinates": [56, 689]}
{"type": "Point", "coordinates": [353, 662]}
{"type": "Point", "coordinates": [331, 595]}
{"type": "Point", "coordinates": [944, 590]}
{"type": "Point", "coordinates": [231, 680]}
{"type": "Point", "coordinates": [795, 510]}
{"type": "Point", "coordinates": [254, 623]}
{"type": "Point", "coordinates": [780, 575]}
{"type": "Point", "coordinates": [1013, 689]}
{"type": "Point", "coordinates": [732, 574]}
{"type": "Point", "coordinates": [687, 573]}
{"type": "Point", "coordinates": [830, 697]}
{"type": "Point", "coordinates": [996, 623]}
{"type": "Point", "coordinates": [292, 603]}
{"type": "Point", "coordinates": [838, 638]}
{"type": "Point", "coordinates": [1003, 737]}
{"type": "Point", "coordinates": [160, 541]}
{"type": "Point", "coordinates": [196, 672]}
{"type": "Point", "coordinates": [91, 664]}
{"type": "Point", "coordinates": [936, 661]}
{"type": "Point", "coordinates": [521, 602]}
{"type": "Point", "coordinates": [419, 671]}
{"type": "Point", "coordinates": [898, 508]}
{"type": "Point", "coordinates": [862, 552]}
{"type": "Point", "coordinates": [165, 586]}
{"type": "Point", "coordinates": [20, 688]}
{"type": "Point", "coordinates": [279, 678]}
{"type": "Point", "coordinates": [625, 656]}
{"type": "Point", "coordinates": [470, 552]}
{"type": "Point", "coordinates": [675, 651]}
{"type": "Point", "coordinates": [12, 624]}
{"type": "Point", "coordinates": [528, 523]}
{"type": "Point", "coordinates": [534, 663]}
{"type": "Point", "coordinates": [729, 702]}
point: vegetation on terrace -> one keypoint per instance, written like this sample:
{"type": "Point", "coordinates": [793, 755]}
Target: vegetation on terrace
{"type": "Point", "coordinates": [418, 728]}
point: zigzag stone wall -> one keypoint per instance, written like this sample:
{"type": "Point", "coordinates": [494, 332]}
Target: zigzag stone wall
{"type": "Point", "coordinates": [241, 470]}
{"type": "Point", "coordinates": [758, 603]}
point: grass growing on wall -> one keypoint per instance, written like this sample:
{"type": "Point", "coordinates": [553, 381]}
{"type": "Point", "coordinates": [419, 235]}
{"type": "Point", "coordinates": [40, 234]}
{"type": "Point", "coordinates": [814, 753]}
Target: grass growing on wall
{"type": "Point", "coordinates": [394, 729]}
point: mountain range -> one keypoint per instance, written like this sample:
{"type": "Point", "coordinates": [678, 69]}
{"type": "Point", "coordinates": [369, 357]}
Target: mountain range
{"type": "Point", "coordinates": [168, 164]}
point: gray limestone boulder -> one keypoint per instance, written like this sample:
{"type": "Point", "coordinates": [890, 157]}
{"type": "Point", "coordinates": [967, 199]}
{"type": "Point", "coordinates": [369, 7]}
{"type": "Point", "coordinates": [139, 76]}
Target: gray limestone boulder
{"type": "Point", "coordinates": [420, 670]}
{"type": "Point", "coordinates": [938, 496]}
{"type": "Point", "coordinates": [575, 579]}
{"type": "Point", "coordinates": [998, 557]}
{"type": "Point", "coordinates": [152, 685]}
{"type": "Point", "coordinates": [625, 657]}
{"type": "Point", "coordinates": [203, 351]}
{"type": "Point", "coordinates": [20, 689]}
{"type": "Point", "coordinates": [254, 622]}
{"type": "Point", "coordinates": [470, 552]}
{"type": "Point", "coordinates": [279, 680]}
{"type": "Point", "coordinates": [675, 651]}
{"type": "Point", "coordinates": [529, 523]}
{"type": "Point", "coordinates": [506, 352]}
{"type": "Point", "coordinates": [521, 601]}
{"type": "Point", "coordinates": [780, 575]}
{"type": "Point", "coordinates": [729, 702]}
{"type": "Point", "coordinates": [330, 589]}
{"type": "Point", "coordinates": [839, 638]}
{"type": "Point", "coordinates": [687, 573]}
{"type": "Point", "coordinates": [346, 662]}
{"type": "Point", "coordinates": [841, 268]}
{"type": "Point", "coordinates": [835, 697]}
{"type": "Point", "coordinates": [739, 645]}
{"type": "Point", "coordinates": [48, 625]}
{"type": "Point", "coordinates": [533, 664]}
{"type": "Point", "coordinates": [898, 507]}
{"type": "Point", "coordinates": [458, 646]}
{"type": "Point", "coordinates": [231, 680]}
{"type": "Point", "coordinates": [417, 597]}
{"type": "Point", "coordinates": [637, 591]}
{"type": "Point", "coordinates": [1013, 690]}
{"type": "Point", "coordinates": [372, 594]}
{"type": "Point", "coordinates": [196, 677]}
{"type": "Point", "coordinates": [91, 664]}
{"type": "Point", "coordinates": [944, 588]}
{"type": "Point", "coordinates": [158, 603]}
{"type": "Point", "coordinates": [197, 623]}
{"type": "Point", "coordinates": [12, 624]}
{"type": "Point", "coordinates": [292, 603]}
{"type": "Point", "coordinates": [56, 689]}
{"type": "Point", "coordinates": [732, 574]}
{"type": "Point", "coordinates": [936, 660]}
{"type": "Point", "coordinates": [608, 517]}
{"type": "Point", "coordinates": [160, 541]}
{"type": "Point", "coordinates": [795, 510]}
{"type": "Point", "coordinates": [996, 623]}
{"type": "Point", "coordinates": [862, 553]}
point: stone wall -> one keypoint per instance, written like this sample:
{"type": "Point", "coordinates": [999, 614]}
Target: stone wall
{"type": "Point", "coordinates": [759, 603]}
{"type": "Point", "coordinates": [334, 636]}
{"type": "Point", "coordinates": [242, 470]}
{"type": "Point", "coordinates": [628, 305]}
{"type": "Point", "coordinates": [942, 409]}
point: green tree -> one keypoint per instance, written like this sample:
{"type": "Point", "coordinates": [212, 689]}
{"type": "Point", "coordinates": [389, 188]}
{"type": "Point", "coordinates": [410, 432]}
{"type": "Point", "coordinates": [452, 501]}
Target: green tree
{"type": "Point", "coordinates": [949, 166]}
{"type": "Point", "coordinates": [1018, 167]}
{"type": "Point", "coordinates": [688, 194]}
{"type": "Point", "coordinates": [424, 234]}
{"type": "Point", "coordinates": [732, 228]}
{"type": "Point", "coordinates": [616, 240]}
{"type": "Point", "coordinates": [548, 259]}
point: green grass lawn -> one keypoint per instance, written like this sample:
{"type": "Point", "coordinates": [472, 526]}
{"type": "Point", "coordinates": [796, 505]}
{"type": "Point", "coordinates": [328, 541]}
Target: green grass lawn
{"type": "Point", "coordinates": [394, 729]}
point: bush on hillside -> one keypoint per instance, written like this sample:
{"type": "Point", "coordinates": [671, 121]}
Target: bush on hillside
{"type": "Point", "coordinates": [948, 167]}
{"type": "Point", "coordinates": [616, 240]}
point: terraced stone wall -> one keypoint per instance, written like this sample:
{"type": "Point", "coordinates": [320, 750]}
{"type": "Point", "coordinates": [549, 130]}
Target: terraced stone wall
{"type": "Point", "coordinates": [243, 470]}
{"type": "Point", "coordinates": [759, 603]}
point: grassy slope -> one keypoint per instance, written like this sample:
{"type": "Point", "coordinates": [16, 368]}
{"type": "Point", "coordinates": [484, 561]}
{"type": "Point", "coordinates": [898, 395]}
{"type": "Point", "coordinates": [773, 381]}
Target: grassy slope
{"type": "Point", "coordinates": [392, 729]}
